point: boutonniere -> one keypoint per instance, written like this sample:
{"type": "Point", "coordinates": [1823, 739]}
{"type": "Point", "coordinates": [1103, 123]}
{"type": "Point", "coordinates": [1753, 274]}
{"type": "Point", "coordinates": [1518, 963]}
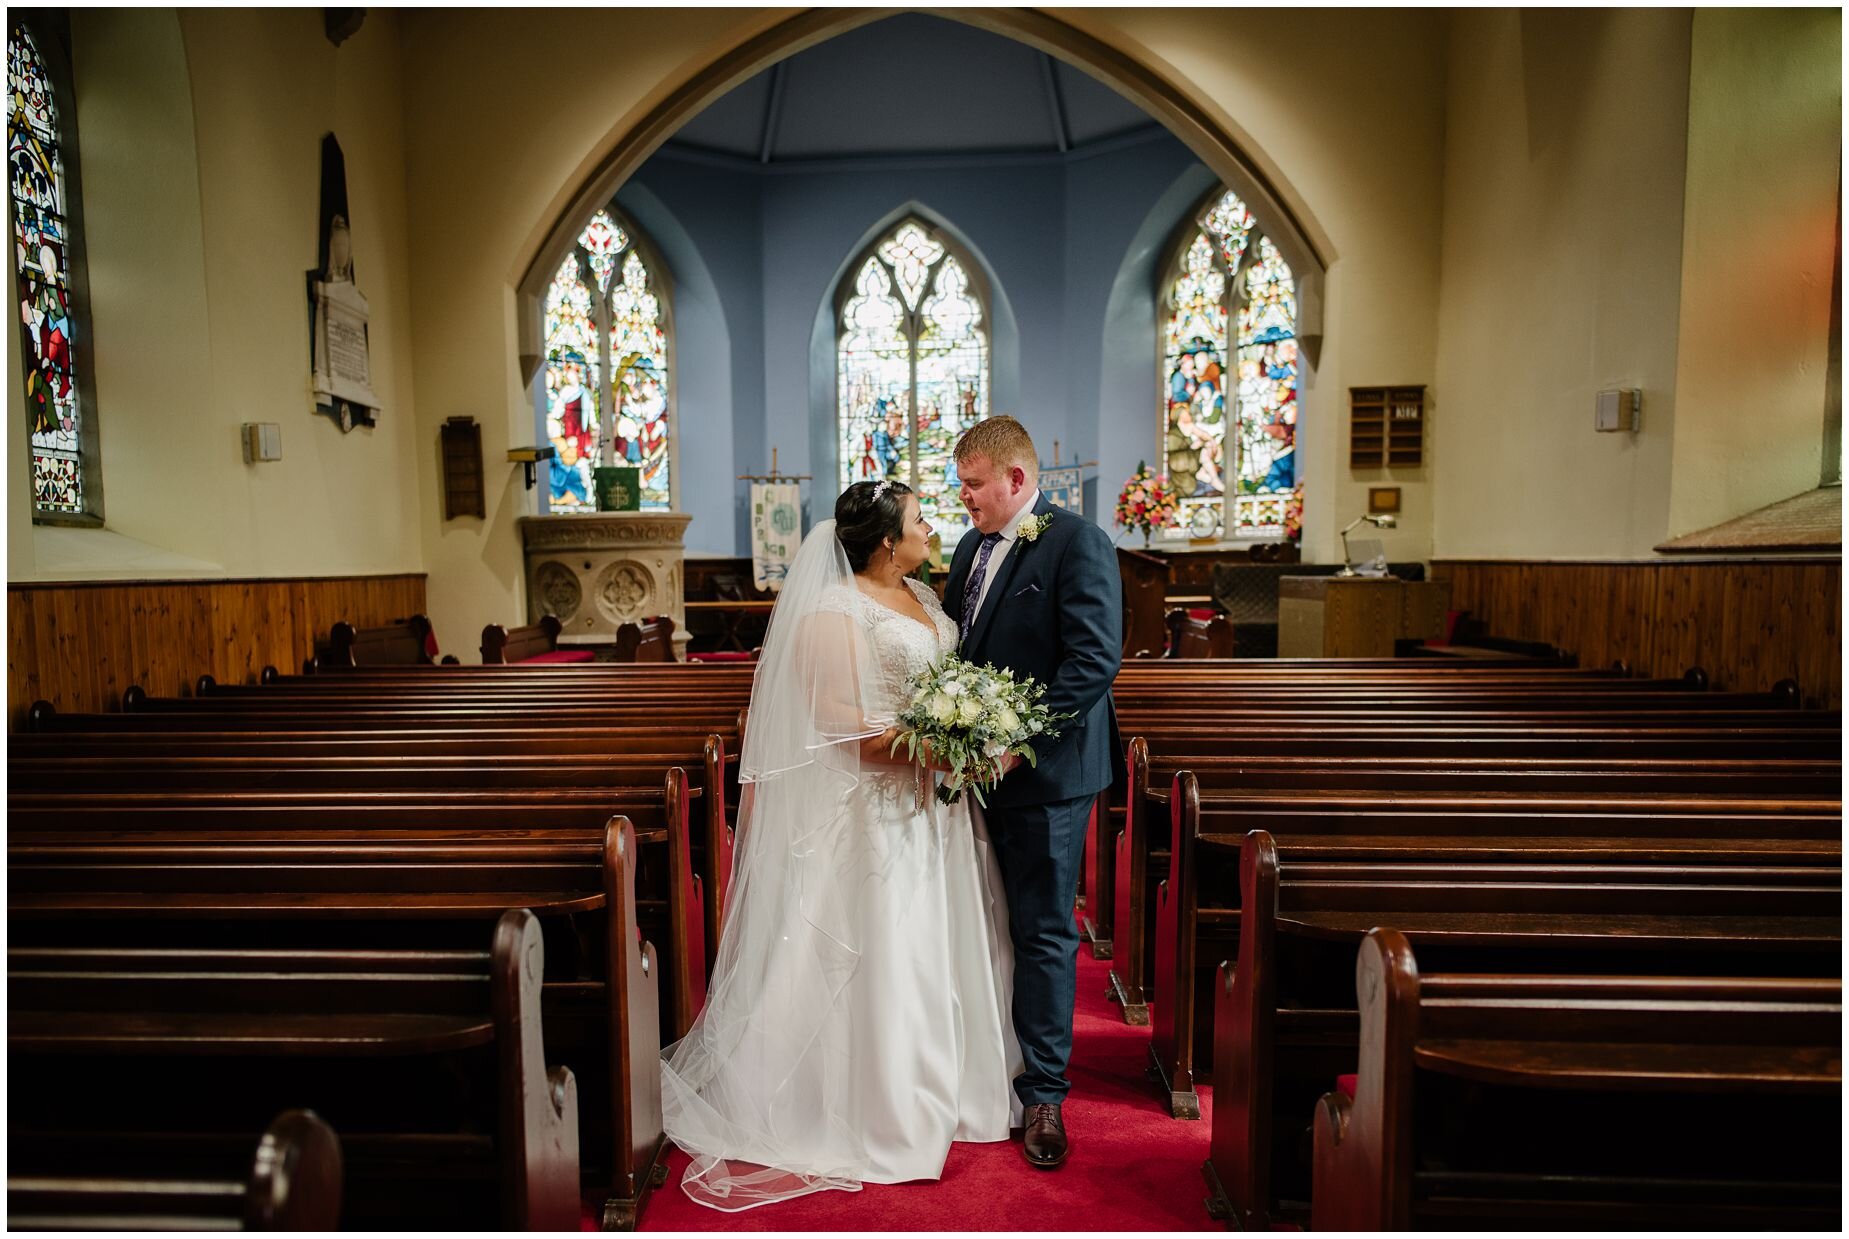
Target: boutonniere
{"type": "Point", "coordinates": [1032, 527]}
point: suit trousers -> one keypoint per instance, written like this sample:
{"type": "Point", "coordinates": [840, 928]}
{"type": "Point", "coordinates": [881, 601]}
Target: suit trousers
{"type": "Point", "coordinates": [1039, 848]}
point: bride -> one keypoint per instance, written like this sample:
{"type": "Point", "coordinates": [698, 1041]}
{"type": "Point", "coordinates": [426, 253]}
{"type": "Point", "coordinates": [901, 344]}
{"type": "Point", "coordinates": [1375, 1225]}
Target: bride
{"type": "Point", "coordinates": [856, 1022]}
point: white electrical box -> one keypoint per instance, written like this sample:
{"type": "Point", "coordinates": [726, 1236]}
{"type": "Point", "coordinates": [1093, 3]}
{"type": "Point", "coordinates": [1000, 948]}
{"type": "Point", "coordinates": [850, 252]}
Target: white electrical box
{"type": "Point", "coordinates": [262, 441]}
{"type": "Point", "coordinates": [1620, 409]}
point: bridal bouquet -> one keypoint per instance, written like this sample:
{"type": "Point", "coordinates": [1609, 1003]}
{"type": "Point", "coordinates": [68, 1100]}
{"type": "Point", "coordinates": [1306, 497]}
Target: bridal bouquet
{"type": "Point", "coordinates": [973, 717]}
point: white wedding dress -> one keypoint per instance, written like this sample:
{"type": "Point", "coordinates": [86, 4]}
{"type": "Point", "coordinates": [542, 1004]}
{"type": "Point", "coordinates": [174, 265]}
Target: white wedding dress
{"type": "Point", "coordinates": [858, 1018]}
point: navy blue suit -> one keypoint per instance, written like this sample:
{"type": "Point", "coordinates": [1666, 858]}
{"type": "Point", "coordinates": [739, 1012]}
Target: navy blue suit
{"type": "Point", "coordinates": [1054, 611]}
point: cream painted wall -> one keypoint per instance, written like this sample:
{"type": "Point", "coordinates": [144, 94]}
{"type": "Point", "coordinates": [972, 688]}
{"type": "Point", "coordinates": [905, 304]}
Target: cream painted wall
{"type": "Point", "coordinates": [149, 314]}
{"type": "Point", "coordinates": [200, 137]}
{"type": "Point", "coordinates": [1764, 166]}
{"type": "Point", "coordinates": [489, 171]}
{"type": "Point", "coordinates": [1563, 184]}
{"type": "Point", "coordinates": [1343, 110]}
{"type": "Point", "coordinates": [1359, 153]}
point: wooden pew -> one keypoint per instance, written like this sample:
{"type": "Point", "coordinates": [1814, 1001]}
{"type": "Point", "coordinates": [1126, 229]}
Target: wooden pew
{"type": "Point", "coordinates": [623, 763]}
{"type": "Point", "coordinates": [530, 645]}
{"type": "Point", "coordinates": [662, 811]}
{"type": "Point", "coordinates": [1197, 906]}
{"type": "Point", "coordinates": [226, 1030]}
{"type": "Point", "coordinates": [108, 1181]}
{"type": "Point", "coordinates": [407, 643]}
{"type": "Point", "coordinates": [651, 641]}
{"type": "Point", "coordinates": [1285, 1021]}
{"type": "Point", "coordinates": [1136, 871]}
{"type": "Point", "coordinates": [1180, 741]}
{"type": "Point", "coordinates": [1179, 744]}
{"type": "Point", "coordinates": [365, 885]}
{"type": "Point", "coordinates": [1570, 1102]}
{"type": "Point", "coordinates": [1192, 637]}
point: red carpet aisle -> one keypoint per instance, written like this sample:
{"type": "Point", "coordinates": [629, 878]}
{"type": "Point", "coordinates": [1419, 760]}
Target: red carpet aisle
{"type": "Point", "coordinates": [1132, 1167]}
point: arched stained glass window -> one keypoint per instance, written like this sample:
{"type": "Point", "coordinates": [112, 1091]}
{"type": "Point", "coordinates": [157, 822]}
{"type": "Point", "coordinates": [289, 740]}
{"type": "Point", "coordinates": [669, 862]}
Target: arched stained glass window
{"type": "Point", "coordinates": [607, 375]}
{"type": "Point", "coordinates": [1229, 376]}
{"type": "Point", "coordinates": [912, 335]}
{"type": "Point", "coordinates": [38, 144]}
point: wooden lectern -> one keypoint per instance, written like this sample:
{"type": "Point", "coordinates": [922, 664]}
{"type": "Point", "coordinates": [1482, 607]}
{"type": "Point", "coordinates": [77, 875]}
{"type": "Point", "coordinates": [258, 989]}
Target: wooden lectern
{"type": "Point", "coordinates": [1356, 616]}
{"type": "Point", "coordinates": [1145, 579]}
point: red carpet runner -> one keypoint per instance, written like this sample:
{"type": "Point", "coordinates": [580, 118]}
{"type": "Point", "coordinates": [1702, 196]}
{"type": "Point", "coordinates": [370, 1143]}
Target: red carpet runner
{"type": "Point", "coordinates": [1131, 1168]}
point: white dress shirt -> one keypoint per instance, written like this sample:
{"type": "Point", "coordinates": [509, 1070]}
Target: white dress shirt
{"type": "Point", "coordinates": [1000, 553]}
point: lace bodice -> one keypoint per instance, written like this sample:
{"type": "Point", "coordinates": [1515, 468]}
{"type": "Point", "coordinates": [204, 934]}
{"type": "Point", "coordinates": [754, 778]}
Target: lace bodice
{"type": "Point", "coordinates": [900, 645]}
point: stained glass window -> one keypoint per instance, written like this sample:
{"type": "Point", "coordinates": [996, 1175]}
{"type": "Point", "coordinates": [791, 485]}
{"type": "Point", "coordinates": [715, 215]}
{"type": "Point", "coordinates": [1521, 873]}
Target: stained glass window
{"type": "Point", "coordinates": [42, 266]}
{"type": "Point", "coordinates": [913, 334]}
{"type": "Point", "coordinates": [1231, 427]}
{"type": "Point", "coordinates": [607, 374]}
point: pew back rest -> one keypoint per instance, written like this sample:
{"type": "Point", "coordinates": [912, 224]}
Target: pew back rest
{"type": "Point", "coordinates": [407, 642]}
{"type": "Point", "coordinates": [1192, 636]}
{"type": "Point", "coordinates": [650, 641]}
{"type": "Point", "coordinates": [504, 645]}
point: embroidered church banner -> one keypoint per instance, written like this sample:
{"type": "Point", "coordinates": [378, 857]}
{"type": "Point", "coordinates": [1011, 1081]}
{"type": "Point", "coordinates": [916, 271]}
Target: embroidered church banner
{"type": "Point", "coordinates": [1064, 488]}
{"type": "Point", "coordinates": [776, 529]}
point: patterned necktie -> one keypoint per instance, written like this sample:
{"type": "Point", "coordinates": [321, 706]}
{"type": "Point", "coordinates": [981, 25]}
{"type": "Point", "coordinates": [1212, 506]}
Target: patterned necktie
{"type": "Point", "coordinates": [972, 591]}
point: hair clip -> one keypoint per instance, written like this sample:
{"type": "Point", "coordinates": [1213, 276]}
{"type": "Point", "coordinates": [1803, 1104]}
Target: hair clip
{"type": "Point", "coordinates": [881, 488]}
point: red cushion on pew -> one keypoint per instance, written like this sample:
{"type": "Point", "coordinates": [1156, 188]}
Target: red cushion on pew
{"type": "Point", "coordinates": [1346, 1085]}
{"type": "Point", "coordinates": [722, 656]}
{"type": "Point", "coordinates": [561, 656]}
{"type": "Point", "coordinates": [1451, 620]}
{"type": "Point", "coordinates": [1201, 613]}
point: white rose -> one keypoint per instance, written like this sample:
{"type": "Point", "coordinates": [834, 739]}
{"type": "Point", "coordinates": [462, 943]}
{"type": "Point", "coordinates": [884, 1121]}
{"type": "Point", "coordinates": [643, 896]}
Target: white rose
{"type": "Point", "coordinates": [1008, 720]}
{"type": "Point", "coordinates": [942, 708]}
{"type": "Point", "coordinates": [991, 690]}
{"type": "Point", "coordinates": [953, 687]}
{"type": "Point", "coordinates": [970, 710]}
{"type": "Point", "coordinates": [994, 749]}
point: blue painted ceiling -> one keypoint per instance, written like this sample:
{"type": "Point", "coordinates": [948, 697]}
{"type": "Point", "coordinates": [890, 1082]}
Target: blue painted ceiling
{"type": "Point", "coordinates": [911, 84]}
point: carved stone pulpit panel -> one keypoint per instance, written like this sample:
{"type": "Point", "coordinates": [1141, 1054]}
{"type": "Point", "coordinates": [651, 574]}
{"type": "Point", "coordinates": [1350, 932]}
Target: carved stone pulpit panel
{"type": "Point", "coordinates": [598, 570]}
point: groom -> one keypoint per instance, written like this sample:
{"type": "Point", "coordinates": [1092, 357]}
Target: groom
{"type": "Point", "coordinates": [1039, 593]}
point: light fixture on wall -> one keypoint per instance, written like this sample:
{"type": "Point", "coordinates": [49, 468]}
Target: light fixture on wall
{"type": "Point", "coordinates": [531, 458]}
{"type": "Point", "coordinates": [1383, 520]}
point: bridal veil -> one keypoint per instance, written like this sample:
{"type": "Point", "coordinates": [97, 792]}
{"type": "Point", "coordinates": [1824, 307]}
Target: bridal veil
{"type": "Point", "coordinates": [756, 1092]}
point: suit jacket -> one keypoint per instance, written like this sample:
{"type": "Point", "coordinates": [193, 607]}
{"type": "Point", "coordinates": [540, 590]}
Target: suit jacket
{"type": "Point", "coordinates": [1054, 612]}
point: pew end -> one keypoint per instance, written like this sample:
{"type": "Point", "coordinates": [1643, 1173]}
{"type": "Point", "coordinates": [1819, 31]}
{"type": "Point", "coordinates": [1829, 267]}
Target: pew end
{"type": "Point", "coordinates": [1332, 1195]}
{"type": "Point", "coordinates": [538, 1105]}
{"type": "Point", "coordinates": [632, 994]}
{"type": "Point", "coordinates": [1128, 981]}
{"type": "Point", "coordinates": [1171, 1039]}
{"type": "Point", "coordinates": [295, 1182]}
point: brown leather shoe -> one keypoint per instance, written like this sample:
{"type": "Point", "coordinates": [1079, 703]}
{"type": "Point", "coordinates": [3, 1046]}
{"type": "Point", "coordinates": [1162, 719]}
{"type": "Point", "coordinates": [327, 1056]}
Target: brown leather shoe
{"type": "Point", "coordinates": [1044, 1141]}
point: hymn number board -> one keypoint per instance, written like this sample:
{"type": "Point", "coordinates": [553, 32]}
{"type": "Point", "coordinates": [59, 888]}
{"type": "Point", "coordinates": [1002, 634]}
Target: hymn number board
{"type": "Point", "coordinates": [1386, 427]}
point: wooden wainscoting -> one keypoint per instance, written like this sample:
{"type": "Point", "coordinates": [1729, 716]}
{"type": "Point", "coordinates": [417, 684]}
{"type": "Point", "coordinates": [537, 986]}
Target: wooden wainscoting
{"type": "Point", "coordinates": [79, 644]}
{"type": "Point", "coordinates": [1748, 622]}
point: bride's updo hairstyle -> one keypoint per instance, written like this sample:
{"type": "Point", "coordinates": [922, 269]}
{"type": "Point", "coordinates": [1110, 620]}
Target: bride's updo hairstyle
{"type": "Point", "coordinates": [866, 514]}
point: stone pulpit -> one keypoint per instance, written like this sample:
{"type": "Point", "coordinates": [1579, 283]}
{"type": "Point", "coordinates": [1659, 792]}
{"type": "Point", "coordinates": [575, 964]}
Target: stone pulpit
{"type": "Point", "coordinates": [598, 570]}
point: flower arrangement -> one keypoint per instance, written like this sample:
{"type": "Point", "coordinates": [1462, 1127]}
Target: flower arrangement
{"type": "Point", "coordinates": [1293, 516]}
{"type": "Point", "coordinates": [1146, 502]}
{"type": "Point", "coordinates": [973, 717]}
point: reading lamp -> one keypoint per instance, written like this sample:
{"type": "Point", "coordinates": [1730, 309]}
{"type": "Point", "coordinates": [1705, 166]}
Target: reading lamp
{"type": "Point", "coordinates": [1384, 521]}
